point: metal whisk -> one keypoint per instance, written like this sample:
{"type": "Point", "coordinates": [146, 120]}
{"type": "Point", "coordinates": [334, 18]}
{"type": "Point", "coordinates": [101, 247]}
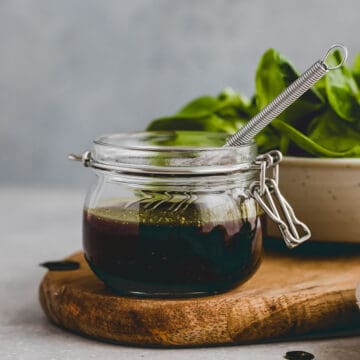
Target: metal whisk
{"type": "Point", "coordinates": [286, 98]}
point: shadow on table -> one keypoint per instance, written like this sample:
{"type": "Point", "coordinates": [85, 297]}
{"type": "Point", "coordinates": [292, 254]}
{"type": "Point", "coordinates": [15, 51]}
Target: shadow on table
{"type": "Point", "coordinates": [313, 249]}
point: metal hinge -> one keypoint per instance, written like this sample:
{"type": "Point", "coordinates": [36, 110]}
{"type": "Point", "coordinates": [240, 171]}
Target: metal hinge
{"type": "Point", "coordinates": [267, 193]}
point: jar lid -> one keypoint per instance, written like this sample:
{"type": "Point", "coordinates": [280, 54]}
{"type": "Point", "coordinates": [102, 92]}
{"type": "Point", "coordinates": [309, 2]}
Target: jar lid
{"type": "Point", "coordinates": [170, 152]}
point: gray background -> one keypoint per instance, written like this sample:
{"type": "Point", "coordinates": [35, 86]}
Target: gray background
{"type": "Point", "coordinates": [72, 70]}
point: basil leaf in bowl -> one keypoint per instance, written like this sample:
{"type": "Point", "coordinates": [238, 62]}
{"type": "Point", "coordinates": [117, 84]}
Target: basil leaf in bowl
{"type": "Point", "coordinates": [324, 122]}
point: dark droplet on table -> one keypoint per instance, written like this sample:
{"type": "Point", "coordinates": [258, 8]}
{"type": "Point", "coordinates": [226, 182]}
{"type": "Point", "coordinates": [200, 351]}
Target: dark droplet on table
{"type": "Point", "coordinates": [299, 355]}
{"type": "Point", "coordinates": [64, 265]}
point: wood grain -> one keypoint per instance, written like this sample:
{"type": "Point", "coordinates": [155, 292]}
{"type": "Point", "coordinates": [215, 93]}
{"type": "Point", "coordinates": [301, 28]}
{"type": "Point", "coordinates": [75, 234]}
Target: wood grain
{"type": "Point", "coordinates": [291, 294]}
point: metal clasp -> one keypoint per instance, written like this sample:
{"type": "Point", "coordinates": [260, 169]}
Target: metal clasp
{"type": "Point", "coordinates": [267, 193]}
{"type": "Point", "coordinates": [85, 158]}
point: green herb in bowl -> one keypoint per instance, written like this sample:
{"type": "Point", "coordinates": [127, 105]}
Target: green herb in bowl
{"type": "Point", "coordinates": [324, 122]}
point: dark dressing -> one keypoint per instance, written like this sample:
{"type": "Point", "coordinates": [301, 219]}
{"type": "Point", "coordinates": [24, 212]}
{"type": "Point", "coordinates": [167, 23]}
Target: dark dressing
{"type": "Point", "coordinates": [161, 252]}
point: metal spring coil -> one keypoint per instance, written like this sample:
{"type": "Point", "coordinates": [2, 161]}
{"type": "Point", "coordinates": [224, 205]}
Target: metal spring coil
{"type": "Point", "coordinates": [279, 104]}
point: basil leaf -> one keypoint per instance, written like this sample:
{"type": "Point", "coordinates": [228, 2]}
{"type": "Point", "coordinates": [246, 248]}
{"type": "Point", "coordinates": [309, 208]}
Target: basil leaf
{"type": "Point", "coordinates": [210, 122]}
{"type": "Point", "coordinates": [191, 139]}
{"type": "Point", "coordinates": [202, 106]}
{"type": "Point", "coordinates": [356, 69]}
{"type": "Point", "coordinates": [331, 132]}
{"type": "Point", "coordinates": [344, 94]}
{"type": "Point", "coordinates": [323, 141]}
{"type": "Point", "coordinates": [274, 73]}
{"type": "Point", "coordinates": [325, 121]}
{"type": "Point", "coordinates": [320, 86]}
{"type": "Point", "coordinates": [268, 139]}
{"type": "Point", "coordinates": [224, 113]}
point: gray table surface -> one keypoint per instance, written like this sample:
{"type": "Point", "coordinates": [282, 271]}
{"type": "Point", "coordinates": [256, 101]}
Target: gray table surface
{"type": "Point", "coordinates": [44, 224]}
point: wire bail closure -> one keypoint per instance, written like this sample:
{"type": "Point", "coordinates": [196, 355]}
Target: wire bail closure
{"type": "Point", "coordinates": [266, 190]}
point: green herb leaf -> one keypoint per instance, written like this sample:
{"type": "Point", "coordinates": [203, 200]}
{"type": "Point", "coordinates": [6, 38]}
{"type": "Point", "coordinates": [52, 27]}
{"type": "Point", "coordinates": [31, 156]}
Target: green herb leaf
{"type": "Point", "coordinates": [191, 139]}
{"type": "Point", "coordinates": [325, 121]}
{"type": "Point", "coordinates": [268, 139]}
{"type": "Point", "coordinates": [343, 93]}
{"type": "Point", "coordinates": [324, 140]}
{"type": "Point", "coordinates": [274, 73]}
{"type": "Point", "coordinates": [334, 134]}
{"type": "Point", "coordinates": [210, 122]}
{"type": "Point", "coordinates": [224, 113]}
{"type": "Point", "coordinates": [356, 69]}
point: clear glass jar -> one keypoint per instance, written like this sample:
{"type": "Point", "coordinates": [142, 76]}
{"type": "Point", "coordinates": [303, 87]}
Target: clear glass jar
{"type": "Point", "coordinates": [171, 221]}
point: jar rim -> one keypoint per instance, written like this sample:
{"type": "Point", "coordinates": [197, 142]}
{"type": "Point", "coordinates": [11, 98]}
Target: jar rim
{"type": "Point", "coordinates": [135, 140]}
{"type": "Point", "coordinates": [171, 152]}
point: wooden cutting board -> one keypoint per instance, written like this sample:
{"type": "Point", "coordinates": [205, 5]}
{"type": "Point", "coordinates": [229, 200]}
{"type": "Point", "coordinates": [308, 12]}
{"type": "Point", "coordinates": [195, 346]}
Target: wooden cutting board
{"type": "Point", "coordinates": [293, 293]}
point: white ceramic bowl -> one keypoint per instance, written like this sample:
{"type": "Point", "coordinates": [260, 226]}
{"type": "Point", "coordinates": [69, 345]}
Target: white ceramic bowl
{"type": "Point", "coordinates": [325, 194]}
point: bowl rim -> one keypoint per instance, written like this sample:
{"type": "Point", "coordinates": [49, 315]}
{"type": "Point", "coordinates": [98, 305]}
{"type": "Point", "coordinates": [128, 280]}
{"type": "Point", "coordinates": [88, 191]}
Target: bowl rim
{"type": "Point", "coordinates": [321, 162]}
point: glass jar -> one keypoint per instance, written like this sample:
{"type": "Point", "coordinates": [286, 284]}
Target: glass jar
{"type": "Point", "coordinates": [164, 220]}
